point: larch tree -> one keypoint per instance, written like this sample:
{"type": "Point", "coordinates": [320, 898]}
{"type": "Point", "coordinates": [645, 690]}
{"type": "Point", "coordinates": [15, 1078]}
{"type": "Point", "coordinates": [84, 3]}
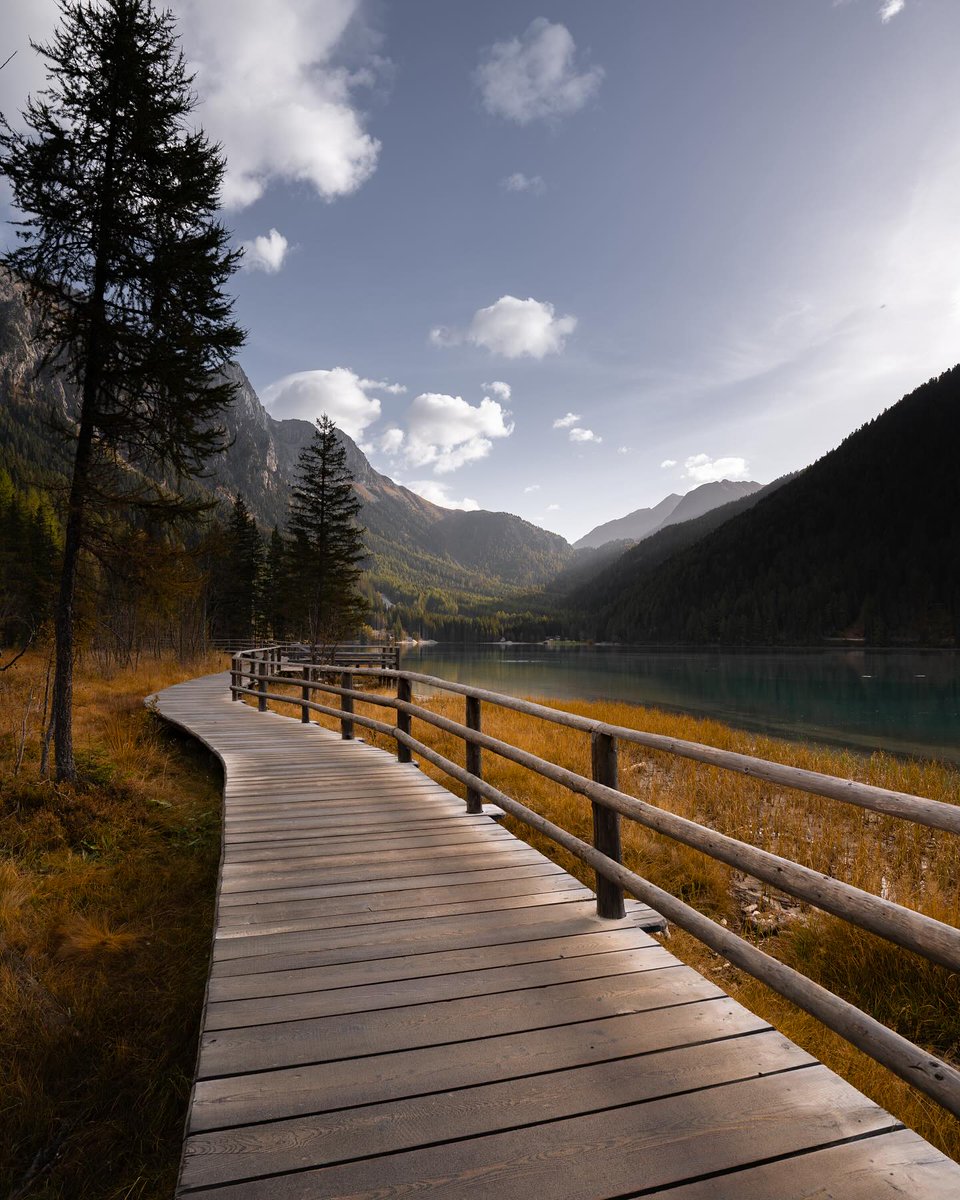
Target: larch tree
{"type": "Point", "coordinates": [126, 265]}
{"type": "Point", "coordinates": [326, 542]}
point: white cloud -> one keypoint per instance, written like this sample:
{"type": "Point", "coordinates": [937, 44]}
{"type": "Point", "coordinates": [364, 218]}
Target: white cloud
{"type": "Point", "coordinates": [446, 432]}
{"type": "Point", "coordinates": [623, 449]}
{"type": "Point", "coordinates": [567, 421]}
{"type": "Point", "coordinates": [277, 96]}
{"type": "Point", "coordinates": [390, 441]}
{"type": "Point", "coordinates": [339, 393]}
{"type": "Point", "coordinates": [265, 253]}
{"type": "Point", "coordinates": [499, 389]}
{"type": "Point", "coordinates": [890, 8]}
{"type": "Point", "coordinates": [583, 435]}
{"type": "Point", "coordinates": [518, 182]}
{"type": "Point", "coordinates": [515, 327]}
{"type": "Point", "coordinates": [432, 490]}
{"type": "Point", "coordinates": [534, 76]}
{"type": "Point", "coordinates": [533, 487]}
{"type": "Point", "coordinates": [668, 462]}
{"type": "Point", "coordinates": [511, 327]}
{"type": "Point", "coordinates": [274, 88]}
{"type": "Point", "coordinates": [443, 335]}
{"type": "Point", "coordinates": [553, 508]}
{"type": "Point", "coordinates": [703, 469]}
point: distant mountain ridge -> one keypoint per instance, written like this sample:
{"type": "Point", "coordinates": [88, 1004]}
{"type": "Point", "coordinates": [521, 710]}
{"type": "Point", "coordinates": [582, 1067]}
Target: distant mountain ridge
{"type": "Point", "coordinates": [864, 544]}
{"type": "Point", "coordinates": [673, 509]}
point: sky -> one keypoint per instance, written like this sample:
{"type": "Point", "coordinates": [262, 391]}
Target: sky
{"type": "Point", "coordinates": [562, 259]}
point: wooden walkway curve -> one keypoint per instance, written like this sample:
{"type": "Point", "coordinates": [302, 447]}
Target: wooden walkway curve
{"type": "Point", "coordinates": [406, 1000]}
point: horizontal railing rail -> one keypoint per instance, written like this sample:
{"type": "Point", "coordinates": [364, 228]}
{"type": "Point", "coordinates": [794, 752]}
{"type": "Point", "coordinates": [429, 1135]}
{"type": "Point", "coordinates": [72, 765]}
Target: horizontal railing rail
{"type": "Point", "coordinates": [932, 939]}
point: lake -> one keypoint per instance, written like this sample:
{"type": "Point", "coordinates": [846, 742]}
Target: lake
{"type": "Point", "coordinates": [907, 702]}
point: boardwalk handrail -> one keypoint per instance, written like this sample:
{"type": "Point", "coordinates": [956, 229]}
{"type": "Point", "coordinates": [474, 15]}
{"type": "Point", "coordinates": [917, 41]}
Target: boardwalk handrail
{"type": "Point", "coordinates": [912, 930]}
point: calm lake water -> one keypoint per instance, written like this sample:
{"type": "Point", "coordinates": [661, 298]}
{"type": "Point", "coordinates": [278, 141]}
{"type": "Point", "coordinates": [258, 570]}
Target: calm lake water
{"type": "Point", "coordinates": [905, 702]}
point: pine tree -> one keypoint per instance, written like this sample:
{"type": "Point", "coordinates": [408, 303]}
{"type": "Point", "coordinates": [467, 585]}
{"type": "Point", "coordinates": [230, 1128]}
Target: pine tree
{"type": "Point", "coordinates": [125, 266]}
{"type": "Point", "coordinates": [326, 546]}
{"type": "Point", "coordinates": [276, 587]}
{"type": "Point", "coordinates": [241, 576]}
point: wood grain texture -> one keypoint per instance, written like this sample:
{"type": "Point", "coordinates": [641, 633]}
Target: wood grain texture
{"type": "Point", "coordinates": [404, 999]}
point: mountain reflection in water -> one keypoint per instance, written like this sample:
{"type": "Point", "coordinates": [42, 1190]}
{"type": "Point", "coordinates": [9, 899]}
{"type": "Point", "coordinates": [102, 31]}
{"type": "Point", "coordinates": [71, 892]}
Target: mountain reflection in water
{"type": "Point", "coordinates": [906, 702]}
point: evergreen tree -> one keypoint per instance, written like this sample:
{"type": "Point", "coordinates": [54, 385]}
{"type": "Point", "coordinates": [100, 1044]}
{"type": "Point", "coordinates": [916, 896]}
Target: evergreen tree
{"type": "Point", "coordinates": [326, 546]}
{"type": "Point", "coordinates": [241, 576]}
{"type": "Point", "coordinates": [276, 587]}
{"type": "Point", "coordinates": [125, 265]}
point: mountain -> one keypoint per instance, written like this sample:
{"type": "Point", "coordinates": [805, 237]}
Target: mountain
{"type": "Point", "coordinates": [709, 496]}
{"type": "Point", "coordinates": [644, 522]}
{"type": "Point", "coordinates": [635, 525]}
{"type": "Point", "coordinates": [864, 544]}
{"type": "Point", "coordinates": [415, 546]}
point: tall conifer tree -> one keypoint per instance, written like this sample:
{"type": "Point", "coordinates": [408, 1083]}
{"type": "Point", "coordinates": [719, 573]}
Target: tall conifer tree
{"type": "Point", "coordinates": [326, 546]}
{"type": "Point", "coordinates": [126, 266]}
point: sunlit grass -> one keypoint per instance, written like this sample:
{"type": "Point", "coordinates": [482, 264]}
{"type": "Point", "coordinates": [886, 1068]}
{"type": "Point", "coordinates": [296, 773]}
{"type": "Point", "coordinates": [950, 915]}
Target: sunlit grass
{"type": "Point", "coordinates": [106, 908]}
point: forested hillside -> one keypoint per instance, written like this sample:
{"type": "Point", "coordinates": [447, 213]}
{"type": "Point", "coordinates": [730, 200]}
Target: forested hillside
{"type": "Point", "coordinates": [416, 548]}
{"type": "Point", "coordinates": [864, 543]}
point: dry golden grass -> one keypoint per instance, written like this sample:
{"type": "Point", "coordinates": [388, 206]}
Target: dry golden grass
{"type": "Point", "coordinates": [909, 864]}
{"type": "Point", "coordinates": [106, 909]}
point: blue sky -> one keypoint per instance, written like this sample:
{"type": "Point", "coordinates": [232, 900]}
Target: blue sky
{"type": "Point", "coordinates": [562, 259]}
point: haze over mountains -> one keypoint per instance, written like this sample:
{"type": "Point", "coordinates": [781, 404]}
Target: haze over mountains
{"type": "Point", "coordinates": [673, 509]}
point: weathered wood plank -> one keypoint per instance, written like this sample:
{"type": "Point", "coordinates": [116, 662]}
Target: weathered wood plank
{"type": "Point", "coordinates": [245, 1099]}
{"type": "Point", "coordinates": [613, 1153]}
{"type": "Point", "coordinates": [436, 989]}
{"type": "Point", "coordinates": [312, 1141]}
{"type": "Point", "coordinates": [501, 904]}
{"type": "Point", "coordinates": [325, 1039]}
{"type": "Point", "coordinates": [417, 966]}
{"type": "Point", "coordinates": [388, 902]}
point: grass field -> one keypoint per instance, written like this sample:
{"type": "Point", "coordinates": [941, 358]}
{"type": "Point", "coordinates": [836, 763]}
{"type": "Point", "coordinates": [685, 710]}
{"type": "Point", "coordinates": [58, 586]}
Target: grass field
{"type": "Point", "coordinates": [106, 902]}
{"type": "Point", "coordinates": [106, 908]}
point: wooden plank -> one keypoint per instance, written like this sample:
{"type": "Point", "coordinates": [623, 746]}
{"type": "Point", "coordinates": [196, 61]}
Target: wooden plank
{"type": "Point", "coordinates": [614, 1153]}
{"type": "Point", "coordinates": [377, 1129]}
{"type": "Point", "coordinates": [236, 1014]}
{"type": "Point", "coordinates": [483, 929]}
{"type": "Point", "coordinates": [442, 864]}
{"type": "Point", "coordinates": [895, 1166]}
{"type": "Point", "coordinates": [369, 845]}
{"type": "Point", "coordinates": [417, 966]}
{"type": "Point", "coordinates": [238, 1051]}
{"type": "Point", "coordinates": [536, 868]}
{"type": "Point", "coordinates": [317, 1088]}
{"type": "Point", "coordinates": [395, 900]}
{"type": "Point", "coordinates": [317, 921]}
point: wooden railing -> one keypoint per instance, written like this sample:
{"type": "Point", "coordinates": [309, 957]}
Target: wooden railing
{"type": "Point", "coordinates": [940, 943]}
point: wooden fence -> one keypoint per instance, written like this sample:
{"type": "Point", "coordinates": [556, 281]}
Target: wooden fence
{"type": "Point", "coordinates": [253, 674]}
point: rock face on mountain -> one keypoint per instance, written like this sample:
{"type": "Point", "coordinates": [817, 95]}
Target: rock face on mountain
{"type": "Point", "coordinates": [673, 509]}
{"type": "Point", "coordinates": [415, 544]}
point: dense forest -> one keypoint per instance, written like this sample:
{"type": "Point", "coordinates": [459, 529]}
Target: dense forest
{"type": "Point", "coordinates": [863, 544]}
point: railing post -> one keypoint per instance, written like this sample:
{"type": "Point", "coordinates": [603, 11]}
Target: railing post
{"type": "Point", "coordinates": [235, 677]}
{"type": "Point", "coordinates": [262, 698]}
{"type": "Point", "coordinates": [474, 755]}
{"type": "Point", "coordinates": [606, 823]}
{"type": "Point", "coordinates": [346, 706]}
{"type": "Point", "coordinates": [404, 693]}
{"type": "Point", "coordinates": [305, 693]}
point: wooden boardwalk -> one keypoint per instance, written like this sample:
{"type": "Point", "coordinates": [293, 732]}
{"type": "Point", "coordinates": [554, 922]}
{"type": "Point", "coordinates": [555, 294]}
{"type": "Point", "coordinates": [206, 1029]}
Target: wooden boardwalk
{"type": "Point", "coordinates": [406, 1000]}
